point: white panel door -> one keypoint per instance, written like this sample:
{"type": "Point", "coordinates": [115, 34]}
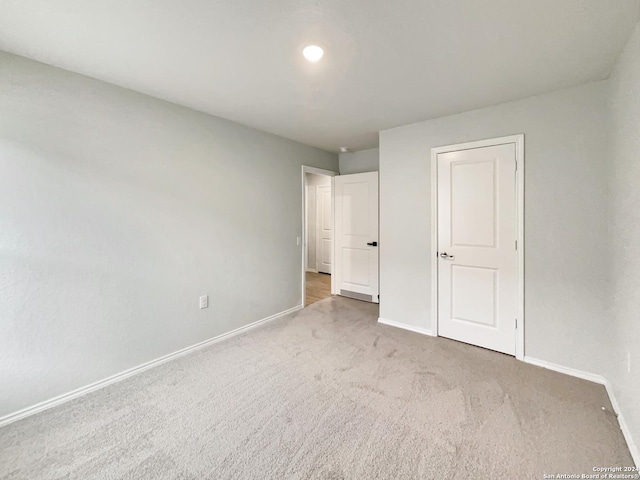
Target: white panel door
{"type": "Point", "coordinates": [324, 225]}
{"type": "Point", "coordinates": [356, 236]}
{"type": "Point", "coordinates": [477, 258]}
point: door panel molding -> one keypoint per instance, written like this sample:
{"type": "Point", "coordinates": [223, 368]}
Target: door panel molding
{"type": "Point", "coordinates": [518, 141]}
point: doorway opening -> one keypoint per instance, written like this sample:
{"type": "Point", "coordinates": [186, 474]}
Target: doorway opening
{"type": "Point", "coordinates": [317, 251]}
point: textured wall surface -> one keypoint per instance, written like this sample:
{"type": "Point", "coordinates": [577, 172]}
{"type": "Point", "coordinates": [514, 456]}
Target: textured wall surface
{"type": "Point", "coordinates": [360, 162]}
{"type": "Point", "coordinates": [565, 218]}
{"type": "Point", "coordinates": [625, 233]}
{"type": "Point", "coordinates": [117, 211]}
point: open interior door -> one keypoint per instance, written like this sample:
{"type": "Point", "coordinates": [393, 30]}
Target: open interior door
{"type": "Point", "coordinates": [356, 236]}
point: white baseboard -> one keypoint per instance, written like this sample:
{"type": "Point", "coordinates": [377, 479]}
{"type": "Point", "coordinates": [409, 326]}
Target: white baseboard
{"type": "Point", "coordinates": [626, 432]}
{"type": "Point", "coordinates": [404, 326]}
{"type": "Point", "coordinates": [592, 377]}
{"type": "Point", "coordinates": [39, 407]}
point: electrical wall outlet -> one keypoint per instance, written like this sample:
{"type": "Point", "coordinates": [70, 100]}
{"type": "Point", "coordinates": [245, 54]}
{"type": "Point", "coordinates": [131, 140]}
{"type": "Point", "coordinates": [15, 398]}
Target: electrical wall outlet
{"type": "Point", "coordinates": [204, 301]}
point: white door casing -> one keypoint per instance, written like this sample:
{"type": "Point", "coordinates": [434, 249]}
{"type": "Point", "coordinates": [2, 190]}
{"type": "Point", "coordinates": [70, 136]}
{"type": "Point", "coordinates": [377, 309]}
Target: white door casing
{"type": "Point", "coordinates": [355, 265]}
{"type": "Point", "coordinates": [324, 229]}
{"type": "Point", "coordinates": [478, 272]}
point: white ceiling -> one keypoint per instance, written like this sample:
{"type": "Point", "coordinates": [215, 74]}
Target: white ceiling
{"type": "Point", "coordinates": [387, 62]}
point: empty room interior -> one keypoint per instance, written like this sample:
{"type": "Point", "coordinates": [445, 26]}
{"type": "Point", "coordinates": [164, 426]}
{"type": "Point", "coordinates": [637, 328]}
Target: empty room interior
{"type": "Point", "coordinates": [319, 239]}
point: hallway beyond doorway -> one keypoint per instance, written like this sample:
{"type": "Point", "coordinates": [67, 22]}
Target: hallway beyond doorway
{"type": "Point", "coordinates": [318, 287]}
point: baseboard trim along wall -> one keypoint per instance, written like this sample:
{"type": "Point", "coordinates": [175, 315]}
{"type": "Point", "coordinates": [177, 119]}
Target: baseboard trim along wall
{"type": "Point", "coordinates": [20, 414]}
{"type": "Point", "coordinates": [633, 447]}
{"type": "Point", "coordinates": [592, 377]}
{"type": "Point", "coordinates": [404, 326]}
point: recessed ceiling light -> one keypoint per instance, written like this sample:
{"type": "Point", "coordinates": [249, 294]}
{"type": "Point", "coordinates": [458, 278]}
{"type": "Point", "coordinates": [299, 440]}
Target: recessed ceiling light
{"type": "Point", "coordinates": [313, 53]}
{"type": "Point", "coordinates": [344, 149]}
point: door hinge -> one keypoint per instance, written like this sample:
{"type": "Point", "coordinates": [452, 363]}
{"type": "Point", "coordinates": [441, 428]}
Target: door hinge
{"type": "Point", "coordinates": [516, 244]}
{"type": "Point", "coordinates": [516, 165]}
{"type": "Point", "coordinates": [516, 323]}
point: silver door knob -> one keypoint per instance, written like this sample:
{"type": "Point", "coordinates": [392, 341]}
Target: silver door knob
{"type": "Point", "coordinates": [446, 256]}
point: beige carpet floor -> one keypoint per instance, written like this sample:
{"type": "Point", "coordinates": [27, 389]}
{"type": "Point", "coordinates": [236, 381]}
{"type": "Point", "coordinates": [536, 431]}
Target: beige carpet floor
{"type": "Point", "coordinates": [325, 394]}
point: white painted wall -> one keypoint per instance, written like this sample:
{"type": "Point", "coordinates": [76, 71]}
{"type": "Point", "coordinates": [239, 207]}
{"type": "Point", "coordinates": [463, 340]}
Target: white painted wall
{"type": "Point", "coordinates": [360, 162]}
{"type": "Point", "coordinates": [117, 211]}
{"type": "Point", "coordinates": [624, 253]}
{"type": "Point", "coordinates": [565, 208]}
{"type": "Point", "coordinates": [312, 181]}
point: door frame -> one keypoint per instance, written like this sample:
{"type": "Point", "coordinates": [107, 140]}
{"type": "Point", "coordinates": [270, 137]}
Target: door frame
{"type": "Point", "coordinates": [518, 140]}
{"type": "Point", "coordinates": [328, 173]}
